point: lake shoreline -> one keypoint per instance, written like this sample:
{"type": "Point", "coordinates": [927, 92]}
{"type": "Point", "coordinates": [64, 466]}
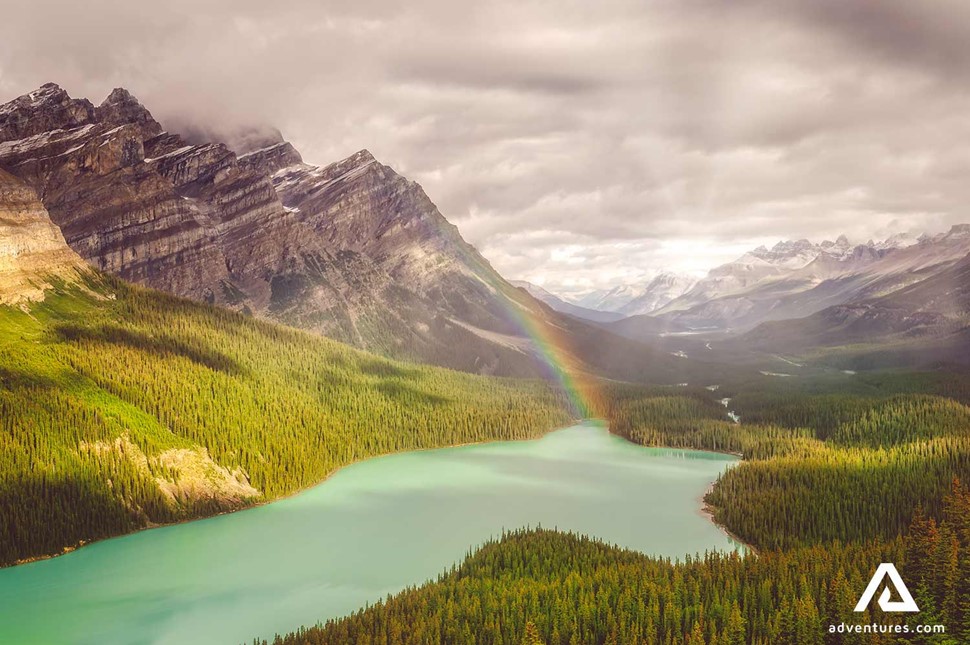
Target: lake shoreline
{"type": "Point", "coordinates": [704, 508]}
{"type": "Point", "coordinates": [71, 549]}
{"type": "Point", "coordinates": [709, 511]}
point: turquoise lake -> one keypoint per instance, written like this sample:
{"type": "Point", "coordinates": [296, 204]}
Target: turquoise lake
{"type": "Point", "coordinates": [371, 529]}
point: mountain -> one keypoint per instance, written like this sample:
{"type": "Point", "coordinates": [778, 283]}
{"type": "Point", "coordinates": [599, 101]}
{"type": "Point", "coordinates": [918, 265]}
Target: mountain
{"type": "Point", "coordinates": [562, 306]}
{"type": "Point", "coordinates": [351, 250]}
{"type": "Point", "coordinates": [927, 320]}
{"type": "Point", "coordinates": [754, 267]}
{"type": "Point", "coordinates": [661, 290]}
{"type": "Point", "coordinates": [33, 253]}
{"type": "Point", "coordinates": [612, 299]}
{"type": "Point", "coordinates": [797, 279]}
{"type": "Point", "coordinates": [123, 408]}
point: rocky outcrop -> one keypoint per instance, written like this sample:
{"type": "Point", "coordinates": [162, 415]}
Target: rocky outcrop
{"type": "Point", "coordinates": [33, 252]}
{"type": "Point", "coordinates": [272, 158]}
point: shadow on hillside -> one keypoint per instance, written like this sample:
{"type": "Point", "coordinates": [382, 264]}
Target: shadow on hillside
{"type": "Point", "coordinates": [386, 369]}
{"type": "Point", "coordinates": [15, 380]}
{"type": "Point", "coordinates": [158, 345]}
{"type": "Point", "coordinates": [409, 394]}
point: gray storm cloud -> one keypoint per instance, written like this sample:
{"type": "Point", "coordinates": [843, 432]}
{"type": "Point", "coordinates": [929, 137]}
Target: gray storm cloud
{"type": "Point", "coordinates": [575, 143]}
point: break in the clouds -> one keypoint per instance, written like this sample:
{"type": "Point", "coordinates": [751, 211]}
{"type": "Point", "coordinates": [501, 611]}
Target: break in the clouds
{"type": "Point", "coordinates": [576, 143]}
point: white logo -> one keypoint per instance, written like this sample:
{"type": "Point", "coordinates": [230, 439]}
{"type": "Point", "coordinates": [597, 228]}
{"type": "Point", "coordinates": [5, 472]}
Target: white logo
{"type": "Point", "coordinates": [905, 604]}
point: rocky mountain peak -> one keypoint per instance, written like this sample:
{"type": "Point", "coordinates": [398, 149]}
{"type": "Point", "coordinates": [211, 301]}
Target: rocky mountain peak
{"type": "Point", "coordinates": [799, 245]}
{"type": "Point", "coordinates": [119, 95]}
{"type": "Point", "coordinates": [47, 108]}
{"type": "Point", "coordinates": [121, 108]}
{"type": "Point", "coordinates": [362, 156]}
{"type": "Point", "coordinates": [787, 253]}
{"type": "Point", "coordinates": [665, 287]}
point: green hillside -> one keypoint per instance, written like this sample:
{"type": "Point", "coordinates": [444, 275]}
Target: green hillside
{"type": "Point", "coordinates": [121, 408]}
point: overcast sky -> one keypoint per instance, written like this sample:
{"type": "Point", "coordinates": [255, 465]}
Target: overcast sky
{"type": "Point", "coordinates": [575, 143]}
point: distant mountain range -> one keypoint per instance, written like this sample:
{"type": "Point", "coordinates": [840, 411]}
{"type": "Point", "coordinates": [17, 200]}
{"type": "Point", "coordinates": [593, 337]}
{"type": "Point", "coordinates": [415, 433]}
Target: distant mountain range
{"type": "Point", "coordinates": [795, 279]}
{"type": "Point", "coordinates": [561, 305]}
{"type": "Point", "coordinates": [635, 299]}
{"type": "Point", "coordinates": [924, 321]}
{"type": "Point", "coordinates": [659, 292]}
{"type": "Point", "coordinates": [803, 261]}
{"type": "Point", "coordinates": [612, 299]}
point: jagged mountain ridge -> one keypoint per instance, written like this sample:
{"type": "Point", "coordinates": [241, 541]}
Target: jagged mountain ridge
{"type": "Point", "coordinates": [639, 299]}
{"type": "Point", "coordinates": [351, 250]}
{"type": "Point", "coordinates": [612, 299]}
{"type": "Point", "coordinates": [785, 260]}
{"type": "Point", "coordinates": [795, 279]}
{"type": "Point", "coordinates": [357, 252]}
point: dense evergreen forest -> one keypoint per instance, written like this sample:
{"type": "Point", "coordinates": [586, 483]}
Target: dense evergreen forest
{"type": "Point", "coordinates": [839, 473]}
{"type": "Point", "coordinates": [538, 586]}
{"type": "Point", "coordinates": [819, 466]}
{"type": "Point", "coordinates": [121, 408]}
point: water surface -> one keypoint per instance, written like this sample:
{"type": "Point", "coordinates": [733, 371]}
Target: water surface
{"type": "Point", "coordinates": [371, 529]}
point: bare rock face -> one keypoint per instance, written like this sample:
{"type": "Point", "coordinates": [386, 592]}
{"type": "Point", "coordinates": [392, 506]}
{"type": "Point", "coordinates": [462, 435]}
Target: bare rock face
{"type": "Point", "coordinates": [32, 250]}
{"type": "Point", "coordinates": [272, 158]}
{"type": "Point", "coordinates": [351, 250]}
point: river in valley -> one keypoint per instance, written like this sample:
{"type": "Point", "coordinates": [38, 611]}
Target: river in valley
{"type": "Point", "coordinates": [371, 529]}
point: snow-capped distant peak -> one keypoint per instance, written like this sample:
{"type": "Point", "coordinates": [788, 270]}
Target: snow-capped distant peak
{"type": "Point", "coordinates": [611, 299]}
{"type": "Point", "coordinates": [787, 254]}
{"type": "Point", "coordinates": [662, 289]}
{"type": "Point", "coordinates": [898, 241]}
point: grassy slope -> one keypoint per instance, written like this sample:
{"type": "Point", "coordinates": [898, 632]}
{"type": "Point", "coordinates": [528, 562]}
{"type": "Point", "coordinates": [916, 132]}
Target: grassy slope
{"type": "Point", "coordinates": [120, 408]}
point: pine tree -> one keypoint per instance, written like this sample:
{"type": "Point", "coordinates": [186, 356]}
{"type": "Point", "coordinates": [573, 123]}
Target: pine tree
{"type": "Point", "coordinates": [532, 635]}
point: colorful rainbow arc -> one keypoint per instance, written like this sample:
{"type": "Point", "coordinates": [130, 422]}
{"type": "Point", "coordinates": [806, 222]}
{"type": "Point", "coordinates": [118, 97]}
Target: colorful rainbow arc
{"type": "Point", "coordinates": [554, 351]}
{"type": "Point", "coordinates": [552, 345]}
{"type": "Point", "coordinates": [555, 354]}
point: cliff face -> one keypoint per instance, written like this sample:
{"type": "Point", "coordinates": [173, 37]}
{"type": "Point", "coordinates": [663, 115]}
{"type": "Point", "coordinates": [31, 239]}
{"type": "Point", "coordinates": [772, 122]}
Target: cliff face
{"type": "Point", "coordinates": [351, 250]}
{"type": "Point", "coordinates": [32, 250]}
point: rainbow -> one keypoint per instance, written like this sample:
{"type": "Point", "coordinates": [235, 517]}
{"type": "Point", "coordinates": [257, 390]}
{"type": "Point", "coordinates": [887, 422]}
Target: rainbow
{"type": "Point", "coordinates": [553, 347]}
{"type": "Point", "coordinates": [554, 351]}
